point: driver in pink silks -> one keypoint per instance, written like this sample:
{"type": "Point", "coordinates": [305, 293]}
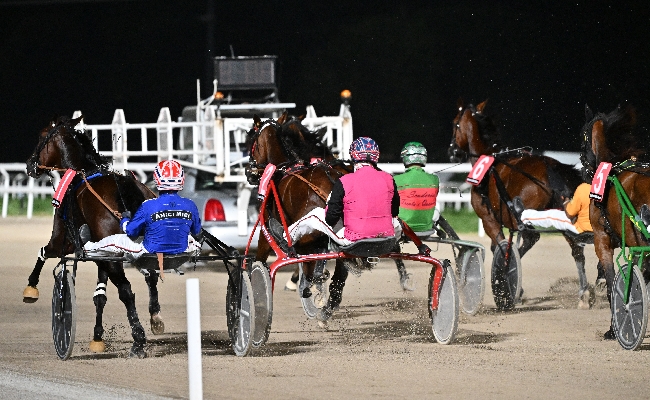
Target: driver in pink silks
{"type": "Point", "coordinates": [366, 201]}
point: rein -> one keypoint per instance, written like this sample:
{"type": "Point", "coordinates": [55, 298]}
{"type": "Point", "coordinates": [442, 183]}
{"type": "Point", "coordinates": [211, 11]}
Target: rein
{"type": "Point", "coordinates": [116, 214]}
{"type": "Point", "coordinates": [313, 187]}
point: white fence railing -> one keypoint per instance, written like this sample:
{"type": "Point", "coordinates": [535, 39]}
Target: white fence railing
{"type": "Point", "coordinates": [14, 183]}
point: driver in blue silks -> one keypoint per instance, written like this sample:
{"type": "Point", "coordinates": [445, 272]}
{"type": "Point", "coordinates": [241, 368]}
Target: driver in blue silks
{"type": "Point", "coordinates": [167, 222]}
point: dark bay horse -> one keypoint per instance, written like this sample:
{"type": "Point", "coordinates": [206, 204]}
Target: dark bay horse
{"type": "Point", "coordinates": [95, 197]}
{"type": "Point", "coordinates": [541, 182]}
{"type": "Point", "coordinates": [302, 186]}
{"type": "Point", "coordinates": [612, 138]}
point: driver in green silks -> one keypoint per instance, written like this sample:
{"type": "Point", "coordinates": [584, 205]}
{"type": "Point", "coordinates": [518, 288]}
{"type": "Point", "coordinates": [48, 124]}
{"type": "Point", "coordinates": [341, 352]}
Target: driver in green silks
{"type": "Point", "coordinates": [418, 191]}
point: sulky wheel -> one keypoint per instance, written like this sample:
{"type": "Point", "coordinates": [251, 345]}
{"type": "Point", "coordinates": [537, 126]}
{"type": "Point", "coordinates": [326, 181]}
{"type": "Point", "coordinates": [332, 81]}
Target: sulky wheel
{"type": "Point", "coordinates": [444, 319]}
{"type": "Point", "coordinates": [631, 318]}
{"type": "Point", "coordinates": [64, 316]}
{"type": "Point", "coordinates": [240, 312]}
{"type": "Point", "coordinates": [263, 300]}
{"type": "Point", "coordinates": [313, 304]}
{"type": "Point", "coordinates": [471, 280]}
{"type": "Point", "coordinates": [506, 276]}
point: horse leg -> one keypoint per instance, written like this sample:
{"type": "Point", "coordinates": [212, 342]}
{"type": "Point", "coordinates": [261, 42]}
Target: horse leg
{"type": "Point", "coordinates": [156, 321]}
{"type": "Point", "coordinates": [405, 279]}
{"type": "Point", "coordinates": [292, 283]}
{"type": "Point", "coordinates": [578, 253]}
{"type": "Point", "coordinates": [605, 253]}
{"type": "Point", "coordinates": [97, 345]}
{"type": "Point", "coordinates": [117, 276]}
{"type": "Point", "coordinates": [529, 239]}
{"type": "Point", "coordinates": [336, 291]}
{"type": "Point", "coordinates": [52, 249]}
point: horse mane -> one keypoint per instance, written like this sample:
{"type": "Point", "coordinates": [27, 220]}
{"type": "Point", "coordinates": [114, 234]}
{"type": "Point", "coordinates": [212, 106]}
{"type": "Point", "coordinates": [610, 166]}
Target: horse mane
{"type": "Point", "coordinates": [489, 132]}
{"type": "Point", "coordinates": [621, 138]}
{"type": "Point", "coordinates": [306, 143]}
{"type": "Point", "coordinates": [85, 141]}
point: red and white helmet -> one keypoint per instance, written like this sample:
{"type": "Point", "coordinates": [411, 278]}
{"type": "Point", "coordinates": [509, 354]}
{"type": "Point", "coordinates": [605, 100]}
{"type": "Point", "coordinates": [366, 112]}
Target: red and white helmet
{"type": "Point", "coordinates": [169, 175]}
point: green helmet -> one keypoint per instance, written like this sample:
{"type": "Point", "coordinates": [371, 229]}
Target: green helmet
{"type": "Point", "coordinates": [414, 153]}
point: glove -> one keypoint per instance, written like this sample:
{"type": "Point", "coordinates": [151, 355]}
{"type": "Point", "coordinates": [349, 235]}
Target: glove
{"type": "Point", "coordinates": [126, 218]}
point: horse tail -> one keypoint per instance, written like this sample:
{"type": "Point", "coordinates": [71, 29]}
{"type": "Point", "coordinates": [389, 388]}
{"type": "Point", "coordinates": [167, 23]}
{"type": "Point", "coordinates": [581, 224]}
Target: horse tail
{"type": "Point", "coordinates": [563, 179]}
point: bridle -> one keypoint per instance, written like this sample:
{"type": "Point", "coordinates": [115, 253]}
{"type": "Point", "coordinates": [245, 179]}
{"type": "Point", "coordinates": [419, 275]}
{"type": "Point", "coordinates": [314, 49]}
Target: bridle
{"type": "Point", "coordinates": [455, 152]}
{"type": "Point", "coordinates": [255, 169]}
{"type": "Point", "coordinates": [587, 156]}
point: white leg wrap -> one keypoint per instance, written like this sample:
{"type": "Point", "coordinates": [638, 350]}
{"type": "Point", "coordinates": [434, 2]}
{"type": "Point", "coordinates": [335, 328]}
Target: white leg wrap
{"type": "Point", "coordinates": [41, 254]}
{"type": "Point", "coordinates": [101, 289]}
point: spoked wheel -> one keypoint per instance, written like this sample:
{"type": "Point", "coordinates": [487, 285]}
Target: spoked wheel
{"type": "Point", "coordinates": [313, 304]}
{"type": "Point", "coordinates": [471, 280]}
{"type": "Point", "coordinates": [631, 318]}
{"type": "Point", "coordinates": [263, 300]}
{"type": "Point", "coordinates": [240, 312]}
{"type": "Point", "coordinates": [64, 314]}
{"type": "Point", "coordinates": [506, 276]}
{"type": "Point", "coordinates": [444, 319]}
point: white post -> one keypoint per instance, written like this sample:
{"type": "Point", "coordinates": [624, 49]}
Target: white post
{"type": "Point", "coordinates": [30, 198]}
{"type": "Point", "coordinates": [194, 339]}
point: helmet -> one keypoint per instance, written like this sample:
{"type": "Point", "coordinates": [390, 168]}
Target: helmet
{"type": "Point", "coordinates": [414, 153]}
{"type": "Point", "coordinates": [169, 175]}
{"type": "Point", "coordinates": [364, 149]}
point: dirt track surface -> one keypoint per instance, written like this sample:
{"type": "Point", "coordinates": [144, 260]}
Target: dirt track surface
{"type": "Point", "coordinates": [379, 345]}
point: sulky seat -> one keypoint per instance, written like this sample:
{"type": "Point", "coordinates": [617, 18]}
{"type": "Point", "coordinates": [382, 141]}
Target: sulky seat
{"type": "Point", "coordinates": [372, 247]}
{"type": "Point", "coordinates": [170, 261]}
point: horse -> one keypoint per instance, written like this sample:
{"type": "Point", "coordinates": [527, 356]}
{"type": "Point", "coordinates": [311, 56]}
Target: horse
{"type": "Point", "coordinates": [541, 182]}
{"type": "Point", "coordinates": [302, 186]}
{"type": "Point", "coordinates": [612, 138]}
{"type": "Point", "coordinates": [95, 197]}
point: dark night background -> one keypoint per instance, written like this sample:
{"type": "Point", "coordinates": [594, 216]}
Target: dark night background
{"type": "Point", "coordinates": [406, 62]}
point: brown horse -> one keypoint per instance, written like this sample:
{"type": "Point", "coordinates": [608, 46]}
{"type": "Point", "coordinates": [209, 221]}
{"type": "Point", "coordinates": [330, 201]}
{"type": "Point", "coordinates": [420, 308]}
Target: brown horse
{"type": "Point", "coordinates": [612, 138]}
{"type": "Point", "coordinates": [95, 197]}
{"type": "Point", "coordinates": [302, 187]}
{"type": "Point", "coordinates": [539, 181]}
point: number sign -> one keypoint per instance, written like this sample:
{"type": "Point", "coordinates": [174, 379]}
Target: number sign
{"type": "Point", "coordinates": [479, 169]}
{"type": "Point", "coordinates": [598, 183]}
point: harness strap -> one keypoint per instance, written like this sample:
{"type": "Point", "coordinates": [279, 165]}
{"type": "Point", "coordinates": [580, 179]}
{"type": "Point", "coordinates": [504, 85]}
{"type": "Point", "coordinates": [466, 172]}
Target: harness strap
{"type": "Point", "coordinates": [313, 187]}
{"type": "Point", "coordinates": [116, 214]}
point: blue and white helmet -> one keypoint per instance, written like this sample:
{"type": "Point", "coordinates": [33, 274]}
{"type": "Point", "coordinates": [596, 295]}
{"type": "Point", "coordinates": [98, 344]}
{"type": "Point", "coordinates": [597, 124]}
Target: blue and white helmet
{"type": "Point", "coordinates": [364, 149]}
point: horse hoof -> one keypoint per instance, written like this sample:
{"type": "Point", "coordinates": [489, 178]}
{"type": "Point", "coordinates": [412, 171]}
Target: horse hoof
{"type": "Point", "coordinates": [324, 315]}
{"type": "Point", "coordinates": [407, 282]}
{"type": "Point", "coordinates": [323, 325]}
{"type": "Point", "coordinates": [30, 294]}
{"type": "Point", "coordinates": [601, 284]}
{"type": "Point", "coordinates": [583, 304]}
{"type": "Point", "coordinates": [157, 324]}
{"type": "Point", "coordinates": [137, 351]}
{"type": "Point", "coordinates": [97, 346]}
{"type": "Point", "coordinates": [291, 286]}
{"type": "Point", "coordinates": [609, 335]}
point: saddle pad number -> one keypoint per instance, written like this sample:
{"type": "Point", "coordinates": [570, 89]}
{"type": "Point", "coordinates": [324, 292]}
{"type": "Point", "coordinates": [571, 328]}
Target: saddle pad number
{"type": "Point", "coordinates": [479, 169]}
{"type": "Point", "coordinates": [598, 183]}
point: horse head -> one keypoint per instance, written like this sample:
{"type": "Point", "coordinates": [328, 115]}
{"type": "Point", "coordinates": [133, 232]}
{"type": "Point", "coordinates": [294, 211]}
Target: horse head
{"type": "Point", "coordinates": [609, 138]}
{"type": "Point", "coordinates": [473, 133]}
{"type": "Point", "coordinates": [282, 142]}
{"type": "Point", "coordinates": [60, 146]}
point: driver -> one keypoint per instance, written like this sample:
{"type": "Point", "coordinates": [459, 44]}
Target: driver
{"type": "Point", "coordinates": [166, 221]}
{"type": "Point", "coordinates": [418, 189]}
{"type": "Point", "coordinates": [366, 201]}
